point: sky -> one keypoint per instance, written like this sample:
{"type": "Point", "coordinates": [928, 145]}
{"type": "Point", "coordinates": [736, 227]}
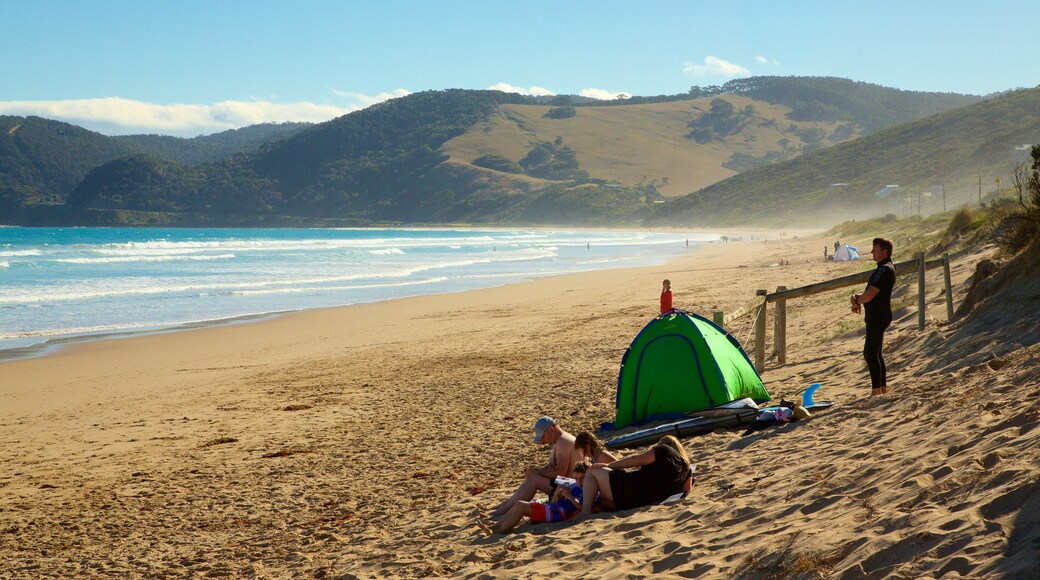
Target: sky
{"type": "Point", "coordinates": [189, 68]}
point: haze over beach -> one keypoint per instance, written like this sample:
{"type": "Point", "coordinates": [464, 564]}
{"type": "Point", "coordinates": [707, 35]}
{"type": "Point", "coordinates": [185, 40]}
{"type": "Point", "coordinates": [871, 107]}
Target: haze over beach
{"type": "Point", "coordinates": [284, 288]}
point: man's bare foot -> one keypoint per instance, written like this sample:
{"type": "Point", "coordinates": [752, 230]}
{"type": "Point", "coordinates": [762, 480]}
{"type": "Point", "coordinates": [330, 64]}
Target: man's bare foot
{"type": "Point", "coordinates": [876, 392]}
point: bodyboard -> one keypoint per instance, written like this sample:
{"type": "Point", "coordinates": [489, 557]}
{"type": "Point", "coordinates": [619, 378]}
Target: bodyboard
{"type": "Point", "coordinates": [697, 426]}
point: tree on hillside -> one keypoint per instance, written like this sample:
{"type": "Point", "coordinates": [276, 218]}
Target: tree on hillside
{"type": "Point", "coordinates": [552, 161]}
{"type": "Point", "coordinates": [720, 120]}
{"type": "Point", "coordinates": [564, 112]}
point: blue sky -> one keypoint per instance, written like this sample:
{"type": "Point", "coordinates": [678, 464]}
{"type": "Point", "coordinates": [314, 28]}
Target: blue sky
{"type": "Point", "coordinates": [196, 67]}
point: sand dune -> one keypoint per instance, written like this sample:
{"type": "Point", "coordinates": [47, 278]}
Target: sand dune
{"type": "Point", "coordinates": [366, 441]}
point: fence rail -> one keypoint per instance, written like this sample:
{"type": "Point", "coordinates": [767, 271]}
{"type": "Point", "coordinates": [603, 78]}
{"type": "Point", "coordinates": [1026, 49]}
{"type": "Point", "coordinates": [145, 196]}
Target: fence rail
{"type": "Point", "coordinates": [783, 294]}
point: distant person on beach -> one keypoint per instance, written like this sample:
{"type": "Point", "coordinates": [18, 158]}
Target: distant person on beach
{"type": "Point", "coordinates": [561, 463]}
{"type": "Point", "coordinates": [825, 253]}
{"type": "Point", "coordinates": [592, 448]}
{"type": "Point", "coordinates": [662, 471]}
{"type": "Point", "coordinates": [666, 295]}
{"type": "Point", "coordinates": [561, 506]}
{"type": "Point", "coordinates": [877, 298]}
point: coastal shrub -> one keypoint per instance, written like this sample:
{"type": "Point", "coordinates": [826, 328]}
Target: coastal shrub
{"type": "Point", "coordinates": [1017, 230]}
{"type": "Point", "coordinates": [960, 221]}
{"type": "Point", "coordinates": [565, 112]}
{"type": "Point", "coordinates": [498, 163]}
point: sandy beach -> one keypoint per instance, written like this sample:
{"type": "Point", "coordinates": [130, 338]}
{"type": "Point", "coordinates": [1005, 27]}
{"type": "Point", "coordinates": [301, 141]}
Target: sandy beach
{"type": "Point", "coordinates": [366, 441]}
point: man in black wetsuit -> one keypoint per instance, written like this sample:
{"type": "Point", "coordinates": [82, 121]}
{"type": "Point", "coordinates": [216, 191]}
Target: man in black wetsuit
{"type": "Point", "coordinates": [877, 298]}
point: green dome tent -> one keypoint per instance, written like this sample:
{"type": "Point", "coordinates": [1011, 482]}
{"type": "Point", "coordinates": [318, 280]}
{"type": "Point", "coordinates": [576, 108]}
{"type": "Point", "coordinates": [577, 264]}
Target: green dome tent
{"type": "Point", "coordinates": [680, 363]}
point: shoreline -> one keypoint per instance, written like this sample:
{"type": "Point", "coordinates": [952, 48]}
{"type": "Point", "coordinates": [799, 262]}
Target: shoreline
{"type": "Point", "coordinates": [52, 346]}
{"type": "Point", "coordinates": [35, 345]}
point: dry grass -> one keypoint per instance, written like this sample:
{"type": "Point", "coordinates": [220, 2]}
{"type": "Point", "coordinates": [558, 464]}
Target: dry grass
{"type": "Point", "coordinates": [632, 144]}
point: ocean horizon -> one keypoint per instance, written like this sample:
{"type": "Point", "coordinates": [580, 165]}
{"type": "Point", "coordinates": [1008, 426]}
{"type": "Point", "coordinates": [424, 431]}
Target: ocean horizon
{"type": "Point", "coordinates": [67, 284]}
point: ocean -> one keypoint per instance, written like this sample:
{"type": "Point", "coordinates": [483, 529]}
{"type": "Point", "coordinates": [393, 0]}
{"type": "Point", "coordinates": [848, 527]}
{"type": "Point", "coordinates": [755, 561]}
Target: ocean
{"type": "Point", "coordinates": [62, 284]}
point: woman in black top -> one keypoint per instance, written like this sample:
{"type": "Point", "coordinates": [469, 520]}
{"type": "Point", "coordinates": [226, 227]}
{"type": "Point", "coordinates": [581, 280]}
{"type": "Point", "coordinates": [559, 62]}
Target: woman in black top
{"type": "Point", "coordinates": [663, 470]}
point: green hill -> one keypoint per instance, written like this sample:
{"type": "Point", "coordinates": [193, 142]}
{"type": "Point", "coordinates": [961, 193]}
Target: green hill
{"type": "Point", "coordinates": [476, 156]}
{"type": "Point", "coordinates": [43, 161]}
{"type": "Point", "coordinates": [951, 151]}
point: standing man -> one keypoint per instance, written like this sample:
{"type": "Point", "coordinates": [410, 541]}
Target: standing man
{"type": "Point", "coordinates": [666, 296]}
{"type": "Point", "coordinates": [561, 463]}
{"type": "Point", "coordinates": [877, 298]}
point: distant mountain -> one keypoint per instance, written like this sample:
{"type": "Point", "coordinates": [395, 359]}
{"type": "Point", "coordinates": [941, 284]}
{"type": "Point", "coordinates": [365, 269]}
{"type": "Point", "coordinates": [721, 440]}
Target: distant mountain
{"type": "Point", "coordinates": [482, 157]}
{"type": "Point", "coordinates": [42, 161]}
{"type": "Point", "coordinates": [954, 153]}
{"type": "Point", "coordinates": [208, 148]}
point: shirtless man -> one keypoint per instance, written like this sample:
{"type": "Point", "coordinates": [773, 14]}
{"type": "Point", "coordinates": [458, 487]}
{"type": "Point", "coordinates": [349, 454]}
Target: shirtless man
{"type": "Point", "coordinates": [561, 463]}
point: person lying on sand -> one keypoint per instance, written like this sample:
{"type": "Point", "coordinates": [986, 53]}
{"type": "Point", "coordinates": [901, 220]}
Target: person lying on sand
{"type": "Point", "coordinates": [593, 449]}
{"type": "Point", "coordinates": [662, 471]}
{"type": "Point", "coordinates": [562, 506]}
{"type": "Point", "coordinates": [561, 463]}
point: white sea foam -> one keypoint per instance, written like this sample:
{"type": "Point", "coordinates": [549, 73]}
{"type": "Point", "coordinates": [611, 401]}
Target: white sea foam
{"type": "Point", "coordinates": [91, 281]}
{"type": "Point", "coordinates": [266, 245]}
{"type": "Point", "coordinates": [126, 259]}
{"type": "Point", "coordinates": [338, 288]}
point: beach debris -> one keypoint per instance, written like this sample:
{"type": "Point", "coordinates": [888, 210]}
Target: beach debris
{"type": "Point", "coordinates": [286, 452]}
{"type": "Point", "coordinates": [219, 441]}
{"type": "Point", "coordinates": [296, 407]}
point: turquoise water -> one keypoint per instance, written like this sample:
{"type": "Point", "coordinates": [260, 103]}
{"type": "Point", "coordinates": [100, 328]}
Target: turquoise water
{"type": "Point", "coordinates": [58, 284]}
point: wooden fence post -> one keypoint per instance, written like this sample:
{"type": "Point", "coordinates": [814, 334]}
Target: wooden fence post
{"type": "Point", "coordinates": [720, 318]}
{"type": "Point", "coordinates": [780, 337]}
{"type": "Point", "coordinates": [760, 332]}
{"type": "Point", "coordinates": [948, 287]}
{"type": "Point", "coordinates": [920, 290]}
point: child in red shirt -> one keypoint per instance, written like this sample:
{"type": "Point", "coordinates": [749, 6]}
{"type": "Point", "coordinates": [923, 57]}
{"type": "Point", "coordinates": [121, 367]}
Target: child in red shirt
{"type": "Point", "coordinates": [666, 296]}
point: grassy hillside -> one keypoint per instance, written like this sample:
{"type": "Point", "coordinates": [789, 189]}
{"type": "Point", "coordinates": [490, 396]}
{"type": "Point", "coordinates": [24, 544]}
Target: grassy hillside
{"type": "Point", "coordinates": [675, 144]}
{"type": "Point", "coordinates": [953, 148]}
{"type": "Point", "coordinates": [640, 144]}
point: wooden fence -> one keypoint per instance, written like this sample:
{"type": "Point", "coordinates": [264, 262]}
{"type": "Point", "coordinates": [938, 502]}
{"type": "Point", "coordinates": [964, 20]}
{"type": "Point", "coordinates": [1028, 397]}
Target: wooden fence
{"type": "Point", "coordinates": [782, 295]}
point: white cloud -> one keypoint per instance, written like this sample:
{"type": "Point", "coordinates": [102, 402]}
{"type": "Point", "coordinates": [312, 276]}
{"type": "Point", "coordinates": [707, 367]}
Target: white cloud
{"type": "Point", "coordinates": [600, 94]}
{"type": "Point", "coordinates": [508, 88]}
{"type": "Point", "coordinates": [761, 59]}
{"type": "Point", "coordinates": [369, 100]}
{"type": "Point", "coordinates": [714, 65]}
{"type": "Point", "coordinates": [119, 116]}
